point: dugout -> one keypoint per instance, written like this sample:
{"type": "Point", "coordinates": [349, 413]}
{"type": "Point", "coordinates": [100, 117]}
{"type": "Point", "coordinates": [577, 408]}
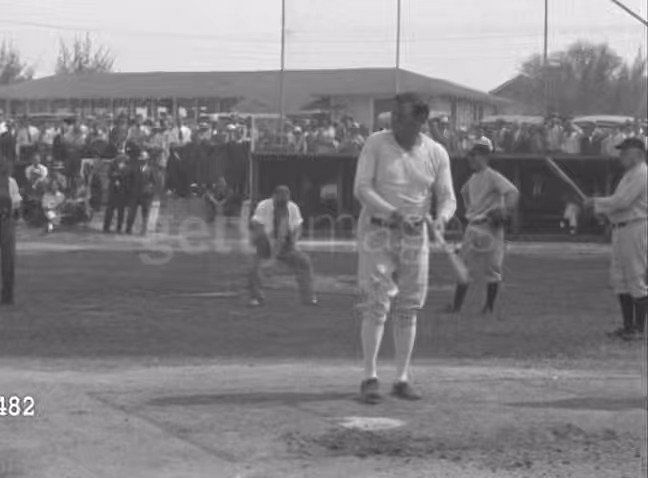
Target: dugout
{"type": "Point", "coordinates": [322, 185]}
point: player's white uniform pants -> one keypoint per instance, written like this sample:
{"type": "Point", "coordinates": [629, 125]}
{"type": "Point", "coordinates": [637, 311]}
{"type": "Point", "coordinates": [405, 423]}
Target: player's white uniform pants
{"type": "Point", "coordinates": [630, 259]}
{"type": "Point", "coordinates": [392, 272]}
{"type": "Point", "coordinates": [482, 250]}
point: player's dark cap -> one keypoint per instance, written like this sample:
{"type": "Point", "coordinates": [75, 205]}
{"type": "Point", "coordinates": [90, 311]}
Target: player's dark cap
{"type": "Point", "coordinates": [631, 143]}
{"type": "Point", "coordinates": [482, 146]}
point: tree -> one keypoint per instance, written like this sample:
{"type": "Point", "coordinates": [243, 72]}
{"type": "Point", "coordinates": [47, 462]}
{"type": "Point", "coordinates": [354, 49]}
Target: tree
{"type": "Point", "coordinates": [12, 68]}
{"type": "Point", "coordinates": [587, 78]}
{"type": "Point", "coordinates": [83, 57]}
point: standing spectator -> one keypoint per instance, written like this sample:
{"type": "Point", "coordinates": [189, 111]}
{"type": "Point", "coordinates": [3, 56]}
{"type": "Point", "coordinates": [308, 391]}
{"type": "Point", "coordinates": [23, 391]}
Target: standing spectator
{"type": "Point", "coordinates": [537, 139]}
{"type": "Point", "coordinates": [8, 143]}
{"type": "Point", "coordinates": [74, 141]}
{"type": "Point", "coordinates": [571, 138]}
{"type": "Point", "coordinates": [590, 144]}
{"type": "Point", "coordinates": [27, 137]}
{"type": "Point", "coordinates": [117, 191]}
{"type": "Point", "coordinates": [142, 184]}
{"type": "Point", "coordinates": [554, 134]}
{"type": "Point", "coordinates": [10, 201]}
{"type": "Point", "coordinates": [137, 133]}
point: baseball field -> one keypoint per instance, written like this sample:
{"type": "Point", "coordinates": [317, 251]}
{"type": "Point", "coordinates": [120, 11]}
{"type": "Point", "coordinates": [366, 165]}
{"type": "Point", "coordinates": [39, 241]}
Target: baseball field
{"type": "Point", "coordinates": [143, 368]}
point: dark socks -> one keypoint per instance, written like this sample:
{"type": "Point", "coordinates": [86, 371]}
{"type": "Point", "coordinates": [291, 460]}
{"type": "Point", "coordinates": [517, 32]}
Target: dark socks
{"type": "Point", "coordinates": [640, 314]}
{"type": "Point", "coordinates": [460, 295]}
{"type": "Point", "coordinates": [491, 295]}
{"type": "Point", "coordinates": [627, 310]}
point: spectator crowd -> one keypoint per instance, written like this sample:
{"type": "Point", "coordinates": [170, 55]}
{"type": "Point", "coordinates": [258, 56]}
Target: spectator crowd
{"type": "Point", "coordinates": [554, 135]}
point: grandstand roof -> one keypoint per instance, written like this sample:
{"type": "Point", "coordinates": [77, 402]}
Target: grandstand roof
{"type": "Point", "coordinates": [260, 86]}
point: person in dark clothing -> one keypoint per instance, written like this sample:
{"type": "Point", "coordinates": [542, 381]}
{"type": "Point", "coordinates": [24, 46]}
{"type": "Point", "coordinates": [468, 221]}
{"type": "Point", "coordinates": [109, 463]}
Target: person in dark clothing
{"type": "Point", "coordinates": [117, 193]}
{"type": "Point", "coordinates": [9, 204]}
{"type": "Point", "coordinates": [142, 184]}
{"type": "Point", "coordinates": [8, 144]}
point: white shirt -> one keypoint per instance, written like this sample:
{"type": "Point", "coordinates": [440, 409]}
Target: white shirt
{"type": "Point", "coordinates": [14, 193]}
{"type": "Point", "coordinates": [264, 214]}
{"type": "Point", "coordinates": [31, 171]}
{"type": "Point", "coordinates": [484, 192]}
{"type": "Point", "coordinates": [389, 178]}
{"type": "Point", "coordinates": [630, 199]}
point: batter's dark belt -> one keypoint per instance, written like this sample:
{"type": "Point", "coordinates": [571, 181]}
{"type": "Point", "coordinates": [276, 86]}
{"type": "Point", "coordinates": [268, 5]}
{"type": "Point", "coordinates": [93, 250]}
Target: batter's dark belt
{"type": "Point", "coordinates": [622, 224]}
{"type": "Point", "coordinates": [409, 227]}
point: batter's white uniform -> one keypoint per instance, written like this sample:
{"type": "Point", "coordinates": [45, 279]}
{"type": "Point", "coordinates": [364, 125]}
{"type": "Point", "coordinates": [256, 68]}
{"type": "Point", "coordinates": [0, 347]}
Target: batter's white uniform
{"type": "Point", "coordinates": [393, 262]}
{"type": "Point", "coordinates": [627, 210]}
{"type": "Point", "coordinates": [483, 245]}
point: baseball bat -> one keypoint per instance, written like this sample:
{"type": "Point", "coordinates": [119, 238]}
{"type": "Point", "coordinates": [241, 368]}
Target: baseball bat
{"type": "Point", "coordinates": [455, 261]}
{"type": "Point", "coordinates": [557, 170]}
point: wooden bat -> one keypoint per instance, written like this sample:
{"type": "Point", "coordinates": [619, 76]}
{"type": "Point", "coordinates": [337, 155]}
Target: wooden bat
{"type": "Point", "coordinates": [455, 261]}
{"type": "Point", "coordinates": [557, 170]}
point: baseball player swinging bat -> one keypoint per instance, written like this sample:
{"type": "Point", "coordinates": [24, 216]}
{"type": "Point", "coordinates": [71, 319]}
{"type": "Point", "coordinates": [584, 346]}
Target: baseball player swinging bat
{"type": "Point", "coordinates": [557, 170]}
{"type": "Point", "coordinates": [455, 261]}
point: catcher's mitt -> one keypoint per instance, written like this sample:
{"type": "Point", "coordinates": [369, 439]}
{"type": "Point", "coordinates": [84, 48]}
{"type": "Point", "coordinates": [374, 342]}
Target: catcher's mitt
{"type": "Point", "coordinates": [498, 218]}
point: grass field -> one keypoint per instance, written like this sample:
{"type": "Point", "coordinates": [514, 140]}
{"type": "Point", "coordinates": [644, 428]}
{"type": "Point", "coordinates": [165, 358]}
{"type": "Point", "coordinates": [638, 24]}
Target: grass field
{"type": "Point", "coordinates": [122, 356]}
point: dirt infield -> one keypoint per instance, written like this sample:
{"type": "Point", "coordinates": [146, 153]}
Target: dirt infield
{"type": "Point", "coordinates": [161, 371]}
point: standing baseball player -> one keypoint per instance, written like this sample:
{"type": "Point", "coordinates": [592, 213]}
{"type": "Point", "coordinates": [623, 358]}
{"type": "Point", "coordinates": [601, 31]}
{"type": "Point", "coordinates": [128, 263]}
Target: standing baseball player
{"type": "Point", "coordinates": [398, 172]}
{"type": "Point", "coordinates": [275, 229]}
{"type": "Point", "coordinates": [489, 199]}
{"type": "Point", "coordinates": [627, 211]}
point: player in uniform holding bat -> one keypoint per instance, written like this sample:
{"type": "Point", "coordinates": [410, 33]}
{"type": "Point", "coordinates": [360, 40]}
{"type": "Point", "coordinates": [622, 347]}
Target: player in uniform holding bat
{"type": "Point", "coordinates": [398, 171]}
{"type": "Point", "coordinates": [489, 199]}
{"type": "Point", "coordinates": [627, 211]}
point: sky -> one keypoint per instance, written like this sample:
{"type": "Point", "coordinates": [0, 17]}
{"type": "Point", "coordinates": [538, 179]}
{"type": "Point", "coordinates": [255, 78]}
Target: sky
{"type": "Point", "coordinates": [476, 43]}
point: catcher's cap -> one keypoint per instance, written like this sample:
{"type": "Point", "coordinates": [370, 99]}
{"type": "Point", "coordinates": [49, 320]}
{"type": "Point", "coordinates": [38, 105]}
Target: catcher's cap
{"type": "Point", "coordinates": [631, 143]}
{"type": "Point", "coordinates": [481, 145]}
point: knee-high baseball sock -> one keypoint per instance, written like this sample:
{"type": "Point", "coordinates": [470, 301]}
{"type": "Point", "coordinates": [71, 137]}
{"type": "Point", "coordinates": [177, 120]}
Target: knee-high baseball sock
{"type": "Point", "coordinates": [640, 313]}
{"type": "Point", "coordinates": [371, 335]}
{"type": "Point", "coordinates": [460, 295]}
{"type": "Point", "coordinates": [627, 310]}
{"type": "Point", "coordinates": [491, 295]}
{"type": "Point", "coordinates": [404, 337]}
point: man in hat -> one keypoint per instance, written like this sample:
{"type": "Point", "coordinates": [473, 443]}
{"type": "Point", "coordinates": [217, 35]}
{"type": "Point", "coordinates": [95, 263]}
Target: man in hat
{"type": "Point", "coordinates": [627, 211]}
{"type": "Point", "coordinates": [399, 172]}
{"type": "Point", "coordinates": [142, 185]}
{"type": "Point", "coordinates": [117, 192]}
{"type": "Point", "coordinates": [275, 229]}
{"type": "Point", "coordinates": [489, 200]}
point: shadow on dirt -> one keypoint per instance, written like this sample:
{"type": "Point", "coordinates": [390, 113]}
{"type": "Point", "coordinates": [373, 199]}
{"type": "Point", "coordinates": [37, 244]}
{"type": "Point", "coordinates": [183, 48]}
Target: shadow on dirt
{"type": "Point", "coordinates": [588, 403]}
{"type": "Point", "coordinates": [259, 398]}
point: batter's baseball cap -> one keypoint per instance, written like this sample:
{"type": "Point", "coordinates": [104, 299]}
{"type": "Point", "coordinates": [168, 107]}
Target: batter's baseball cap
{"type": "Point", "coordinates": [631, 143]}
{"type": "Point", "coordinates": [482, 145]}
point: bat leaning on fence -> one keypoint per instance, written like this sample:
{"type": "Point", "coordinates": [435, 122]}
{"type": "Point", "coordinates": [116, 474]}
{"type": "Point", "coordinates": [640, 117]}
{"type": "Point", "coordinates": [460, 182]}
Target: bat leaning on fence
{"type": "Point", "coordinates": [557, 170]}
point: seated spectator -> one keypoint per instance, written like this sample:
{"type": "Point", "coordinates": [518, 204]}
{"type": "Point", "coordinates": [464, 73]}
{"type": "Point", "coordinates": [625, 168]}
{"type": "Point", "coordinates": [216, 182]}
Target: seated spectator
{"type": "Point", "coordinates": [52, 202]}
{"type": "Point", "coordinates": [35, 172]}
{"type": "Point", "coordinates": [590, 143]}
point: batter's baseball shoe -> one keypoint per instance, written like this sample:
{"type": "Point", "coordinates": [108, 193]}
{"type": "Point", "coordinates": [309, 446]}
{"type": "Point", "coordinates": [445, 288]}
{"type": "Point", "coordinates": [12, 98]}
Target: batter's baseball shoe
{"type": "Point", "coordinates": [405, 391]}
{"type": "Point", "coordinates": [370, 391]}
{"type": "Point", "coordinates": [620, 333]}
{"type": "Point", "coordinates": [255, 303]}
{"type": "Point", "coordinates": [313, 301]}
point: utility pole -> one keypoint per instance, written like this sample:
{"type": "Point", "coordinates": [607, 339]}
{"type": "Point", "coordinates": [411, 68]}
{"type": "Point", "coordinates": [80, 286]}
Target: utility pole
{"type": "Point", "coordinates": [398, 42]}
{"type": "Point", "coordinates": [545, 62]}
{"type": "Point", "coordinates": [282, 112]}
